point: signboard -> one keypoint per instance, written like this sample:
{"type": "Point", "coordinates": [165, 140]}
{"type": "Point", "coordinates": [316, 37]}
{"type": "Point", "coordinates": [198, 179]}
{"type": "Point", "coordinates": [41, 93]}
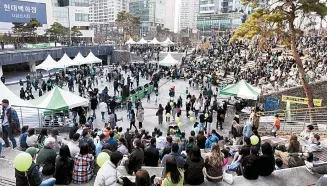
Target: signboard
{"type": "Point", "coordinates": [37, 46]}
{"type": "Point", "coordinates": [300, 100]}
{"type": "Point", "coordinates": [22, 11]}
{"type": "Point", "coordinates": [272, 104]}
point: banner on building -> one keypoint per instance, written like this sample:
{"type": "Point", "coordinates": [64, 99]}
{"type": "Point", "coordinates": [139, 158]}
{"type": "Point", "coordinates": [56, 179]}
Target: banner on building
{"type": "Point", "coordinates": [37, 46]}
{"type": "Point", "coordinates": [300, 100]}
{"type": "Point", "coordinates": [22, 11]}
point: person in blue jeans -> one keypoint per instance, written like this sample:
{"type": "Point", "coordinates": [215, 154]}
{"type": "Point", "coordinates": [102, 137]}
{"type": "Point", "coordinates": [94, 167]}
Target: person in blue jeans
{"type": "Point", "coordinates": [33, 176]}
{"type": "Point", "coordinates": [1, 151]}
{"type": "Point", "coordinates": [9, 118]}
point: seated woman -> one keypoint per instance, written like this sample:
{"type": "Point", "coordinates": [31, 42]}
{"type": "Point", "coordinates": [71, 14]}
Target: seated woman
{"type": "Point", "coordinates": [294, 144]}
{"type": "Point", "coordinates": [32, 139]}
{"type": "Point", "coordinates": [173, 175]}
{"type": "Point", "coordinates": [64, 166]}
{"type": "Point", "coordinates": [213, 164]}
{"type": "Point", "coordinates": [22, 138]}
{"type": "Point", "coordinates": [294, 159]}
{"type": "Point", "coordinates": [194, 167]}
{"type": "Point", "coordinates": [83, 165]}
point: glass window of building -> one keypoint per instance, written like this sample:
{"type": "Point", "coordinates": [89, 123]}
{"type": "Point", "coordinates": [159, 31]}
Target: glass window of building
{"type": "Point", "coordinates": [81, 17]}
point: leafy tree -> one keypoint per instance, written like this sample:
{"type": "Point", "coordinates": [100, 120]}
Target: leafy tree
{"type": "Point", "coordinates": [19, 29]}
{"type": "Point", "coordinates": [75, 33]}
{"type": "Point", "coordinates": [282, 15]}
{"type": "Point", "coordinates": [127, 21]}
{"type": "Point", "coordinates": [32, 26]}
{"type": "Point", "coordinates": [56, 30]}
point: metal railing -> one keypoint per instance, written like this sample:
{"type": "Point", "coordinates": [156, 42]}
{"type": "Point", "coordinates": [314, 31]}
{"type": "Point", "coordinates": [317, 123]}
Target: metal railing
{"type": "Point", "coordinates": [42, 117]}
{"type": "Point", "coordinates": [293, 119]}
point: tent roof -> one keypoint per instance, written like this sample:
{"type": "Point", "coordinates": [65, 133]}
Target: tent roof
{"type": "Point", "coordinates": [154, 41]}
{"type": "Point", "coordinates": [168, 61]}
{"type": "Point", "coordinates": [130, 41]}
{"type": "Point", "coordinates": [79, 59]}
{"type": "Point", "coordinates": [48, 64]}
{"type": "Point", "coordinates": [58, 99]}
{"type": "Point", "coordinates": [65, 62]}
{"type": "Point", "coordinates": [91, 58]}
{"type": "Point", "coordinates": [241, 89]}
{"type": "Point", "coordinates": [167, 41]}
{"type": "Point", "coordinates": [142, 41]}
{"type": "Point", "coordinates": [12, 98]}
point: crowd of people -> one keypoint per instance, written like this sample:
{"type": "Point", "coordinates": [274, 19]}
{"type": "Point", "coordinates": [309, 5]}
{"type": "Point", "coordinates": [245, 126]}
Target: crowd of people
{"type": "Point", "coordinates": [186, 158]}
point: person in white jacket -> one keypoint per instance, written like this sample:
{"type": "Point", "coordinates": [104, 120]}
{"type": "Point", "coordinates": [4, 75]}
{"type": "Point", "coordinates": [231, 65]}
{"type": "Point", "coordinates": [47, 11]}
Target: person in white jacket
{"type": "Point", "coordinates": [103, 109]}
{"type": "Point", "coordinates": [107, 174]}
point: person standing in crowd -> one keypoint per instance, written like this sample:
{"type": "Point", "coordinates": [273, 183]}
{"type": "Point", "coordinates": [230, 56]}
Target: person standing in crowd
{"type": "Point", "coordinates": [129, 108]}
{"type": "Point", "coordinates": [10, 124]}
{"type": "Point", "coordinates": [133, 120]}
{"type": "Point", "coordinates": [276, 125]}
{"type": "Point", "coordinates": [94, 103]}
{"type": "Point", "coordinates": [140, 116]}
{"type": "Point", "coordinates": [159, 113]}
{"type": "Point", "coordinates": [84, 164]}
{"type": "Point", "coordinates": [237, 132]}
{"type": "Point", "coordinates": [103, 109]}
{"type": "Point", "coordinates": [219, 118]}
{"type": "Point", "coordinates": [167, 111]}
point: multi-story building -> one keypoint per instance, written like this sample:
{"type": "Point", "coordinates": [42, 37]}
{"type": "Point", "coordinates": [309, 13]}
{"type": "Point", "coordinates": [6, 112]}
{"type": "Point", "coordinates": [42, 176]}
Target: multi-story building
{"type": "Point", "coordinates": [73, 13]}
{"type": "Point", "coordinates": [151, 13]}
{"type": "Point", "coordinates": [188, 14]}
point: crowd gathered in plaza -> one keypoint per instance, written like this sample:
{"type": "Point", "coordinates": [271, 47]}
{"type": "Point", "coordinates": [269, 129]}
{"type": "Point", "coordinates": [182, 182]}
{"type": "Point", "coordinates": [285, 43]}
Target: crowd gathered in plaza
{"type": "Point", "coordinates": [191, 158]}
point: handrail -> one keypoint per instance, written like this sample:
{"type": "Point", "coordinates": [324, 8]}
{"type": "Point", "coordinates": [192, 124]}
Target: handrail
{"type": "Point", "coordinates": [298, 109]}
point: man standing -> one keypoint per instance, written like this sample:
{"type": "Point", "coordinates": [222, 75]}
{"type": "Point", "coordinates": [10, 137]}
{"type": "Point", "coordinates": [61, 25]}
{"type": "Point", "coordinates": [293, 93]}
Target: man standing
{"type": "Point", "coordinates": [10, 123]}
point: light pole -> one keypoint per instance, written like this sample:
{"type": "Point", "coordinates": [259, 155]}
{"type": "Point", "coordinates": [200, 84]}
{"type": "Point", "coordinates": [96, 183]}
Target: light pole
{"type": "Point", "coordinates": [69, 28]}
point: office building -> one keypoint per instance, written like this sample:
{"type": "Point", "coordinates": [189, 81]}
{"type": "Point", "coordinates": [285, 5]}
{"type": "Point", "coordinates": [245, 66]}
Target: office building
{"type": "Point", "coordinates": [151, 13]}
{"type": "Point", "coordinates": [73, 13]}
{"type": "Point", "coordinates": [189, 10]}
{"type": "Point", "coordinates": [105, 11]}
{"type": "Point", "coordinates": [171, 20]}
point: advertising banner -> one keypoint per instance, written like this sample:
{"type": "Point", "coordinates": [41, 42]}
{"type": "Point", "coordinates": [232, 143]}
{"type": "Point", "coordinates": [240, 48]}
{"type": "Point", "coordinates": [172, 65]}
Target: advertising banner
{"type": "Point", "coordinates": [22, 11]}
{"type": "Point", "coordinates": [300, 100]}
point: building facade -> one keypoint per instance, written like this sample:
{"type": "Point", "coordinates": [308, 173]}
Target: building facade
{"type": "Point", "coordinates": [188, 14]}
{"type": "Point", "coordinates": [105, 11]}
{"type": "Point", "coordinates": [218, 22]}
{"type": "Point", "coordinates": [151, 13]}
{"type": "Point", "coordinates": [73, 13]}
{"type": "Point", "coordinates": [22, 11]}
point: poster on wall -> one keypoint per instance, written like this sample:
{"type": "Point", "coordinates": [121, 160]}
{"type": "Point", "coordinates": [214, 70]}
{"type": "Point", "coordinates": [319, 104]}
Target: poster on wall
{"type": "Point", "coordinates": [22, 11]}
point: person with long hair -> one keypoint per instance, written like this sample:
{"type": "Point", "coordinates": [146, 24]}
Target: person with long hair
{"type": "Point", "coordinates": [64, 166]}
{"type": "Point", "coordinates": [294, 144]}
{"type": "Point", "coordinates": [133, 120]}
{"type": "Point", "coordinates": [42, 137]}
{"type": "Point", "coordinates": [194, 167]}
{"type": "Point", "coordinates": [173, 176]}
{"type": "Point", "coordinates": [213, 164]}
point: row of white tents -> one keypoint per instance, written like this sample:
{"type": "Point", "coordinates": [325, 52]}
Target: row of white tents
{"type": "Point", "coordinates": [142, 41]}
{"type": "Point", "coordinates": [65, 62]}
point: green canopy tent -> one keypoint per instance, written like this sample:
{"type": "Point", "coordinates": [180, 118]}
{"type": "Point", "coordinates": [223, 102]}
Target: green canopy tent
{"type": "Point", "coordinates": [241, 89]}
{"type": "Point", "coordinates": [58, 100]}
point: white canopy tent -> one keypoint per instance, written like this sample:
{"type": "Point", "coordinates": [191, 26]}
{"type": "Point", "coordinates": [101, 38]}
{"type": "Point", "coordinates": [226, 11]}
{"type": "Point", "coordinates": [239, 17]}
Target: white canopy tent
{"type": "Point", "coordinates": [168, 61]}
{"type": "Point", "coordinates": [142, 41]}
{"type": "Point", "coordinates": [91, 59]}
{"type": "Point", "coordinates": [48, 64]}
{"type": "Point", "coordinates": [167, 42]}
{"type": "Point", "coordinates": [154, 42]}
{"type": "Point", "coordinates": [130, 42]}
{"type": "Point", "coordinates": [65, 62]}
{"type": "Point", "coordinates": [79, 60]}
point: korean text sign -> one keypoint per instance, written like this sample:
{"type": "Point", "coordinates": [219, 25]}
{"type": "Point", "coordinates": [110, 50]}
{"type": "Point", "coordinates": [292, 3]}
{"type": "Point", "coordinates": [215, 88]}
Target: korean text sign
{"type": "Point", "coordinates": [22, 11]}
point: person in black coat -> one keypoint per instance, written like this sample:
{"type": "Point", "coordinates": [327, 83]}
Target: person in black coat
{"type": "Point", "coordinates": [64, 166]}
{"type": "Point", "coordinates": [193, 167]}
{"type": "Point", "coordinates": [136, 158]}
{"type": "Point", "coordinates": [112, 105]}
{"type": "Point", "coordinates": [250, 165]}
{"type": "Point", "coordinates": [220, 118]}
{"type": "Point", "coordinates": [31, 177]}
{"type": "Point", "coordinates": [22, 93]}
{"type": "Point", "coordinates": [94, 103]}
{"type": "Point", "coordinates": [152, 154]}
{"type": "Point", "coordinates": [266, 160]}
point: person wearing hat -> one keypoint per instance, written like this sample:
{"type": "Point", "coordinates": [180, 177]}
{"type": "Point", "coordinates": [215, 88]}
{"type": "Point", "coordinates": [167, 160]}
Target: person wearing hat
{"type": "Point", "coordinates": [32, 177]}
